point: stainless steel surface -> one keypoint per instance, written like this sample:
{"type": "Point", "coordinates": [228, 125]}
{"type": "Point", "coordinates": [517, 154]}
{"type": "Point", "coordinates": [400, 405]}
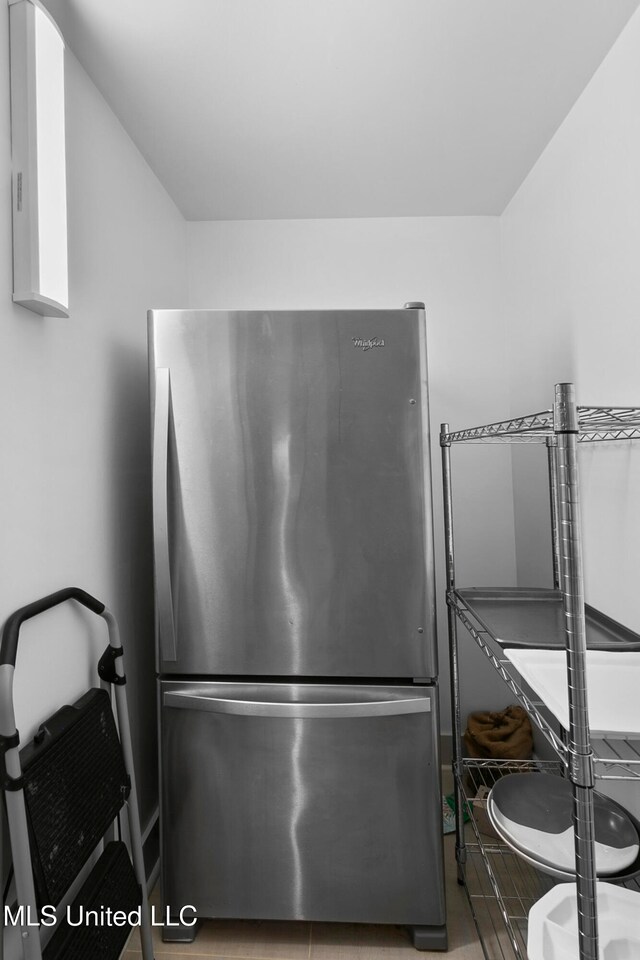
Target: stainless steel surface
{"type": "Point", "coordinates": [296, 817]}
{"type": "Point", "coordinates": [299, 528]}
{"type": "Point", "coordinates": [304, 700]}
{"type": "Point", "coordinates": [454, 670]}
{"type": "Point", "coordinates": [572, 584]}
{"type": "Point", "coordinates": [428, 628]}
{"type": "Point", "coordinates": [162, 560]}
{"type": "Point", "coordinates": [293, 516]}
{"type": "Point", "coordinates": [552, 466]}
{"type": "Point", "coordinates": [534, 617]}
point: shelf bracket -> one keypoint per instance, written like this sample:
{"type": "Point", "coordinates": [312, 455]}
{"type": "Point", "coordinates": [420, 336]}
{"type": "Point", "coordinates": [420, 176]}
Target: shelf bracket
{"type": "Point", "coordinates": [581, 769]}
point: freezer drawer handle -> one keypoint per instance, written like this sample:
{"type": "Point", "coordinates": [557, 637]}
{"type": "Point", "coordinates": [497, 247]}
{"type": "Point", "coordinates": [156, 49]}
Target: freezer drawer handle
{"type": "Point", "coordinates": [164, 598]}
{"type": "Point", "coordinates": [186, 700]}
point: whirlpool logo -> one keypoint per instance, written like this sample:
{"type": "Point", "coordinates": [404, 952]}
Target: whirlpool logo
{"type": "Point", "coordinates": [367, 344]}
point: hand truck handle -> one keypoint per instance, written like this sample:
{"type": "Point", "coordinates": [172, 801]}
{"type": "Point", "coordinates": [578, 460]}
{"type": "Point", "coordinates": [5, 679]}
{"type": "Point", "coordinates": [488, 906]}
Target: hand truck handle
{"type": "Point", "coordinates": [9, 647]}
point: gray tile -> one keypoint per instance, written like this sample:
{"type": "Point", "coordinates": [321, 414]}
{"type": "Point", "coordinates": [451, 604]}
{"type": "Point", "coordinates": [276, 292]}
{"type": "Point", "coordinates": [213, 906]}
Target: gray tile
{"type": "Point", "coordinates": [354, 941]}
{"type": "Point", "coordinates": [251, 939]}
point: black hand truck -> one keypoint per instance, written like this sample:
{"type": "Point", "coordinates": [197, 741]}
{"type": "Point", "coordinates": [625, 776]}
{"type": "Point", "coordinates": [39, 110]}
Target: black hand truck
{"type": "Point", "coordinates": [63, 792]}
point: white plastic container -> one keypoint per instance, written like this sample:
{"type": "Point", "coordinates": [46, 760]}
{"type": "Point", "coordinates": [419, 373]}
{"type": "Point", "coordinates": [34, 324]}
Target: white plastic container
{"type": "Point", "coordinates": [612, 684]}
{"type": "Point", "coordinates": [553, 924]}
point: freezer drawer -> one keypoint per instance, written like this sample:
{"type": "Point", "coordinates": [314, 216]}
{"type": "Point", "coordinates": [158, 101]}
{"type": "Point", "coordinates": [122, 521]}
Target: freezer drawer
{"type": "Point", "coordinates": [314, 801]}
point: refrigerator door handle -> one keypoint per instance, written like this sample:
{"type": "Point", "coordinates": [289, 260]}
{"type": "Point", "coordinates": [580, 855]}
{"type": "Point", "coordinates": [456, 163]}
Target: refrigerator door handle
{"type": "Point", "coordinates": [197, 700]}
{"type": "Point", "coordinates": [164, 597]}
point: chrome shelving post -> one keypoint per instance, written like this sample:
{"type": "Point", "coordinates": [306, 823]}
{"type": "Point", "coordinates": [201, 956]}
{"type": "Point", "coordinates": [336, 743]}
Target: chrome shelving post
{"type": "Point", "coordinates": [461, 853]}
{"type": "Point", "coordinates": [565, 426]}
{"type": "Point", "coordinates": [552, 458]}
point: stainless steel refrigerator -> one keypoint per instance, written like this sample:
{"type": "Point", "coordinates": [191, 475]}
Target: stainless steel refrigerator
{"type": "Point", "coordinates": [296, 646]}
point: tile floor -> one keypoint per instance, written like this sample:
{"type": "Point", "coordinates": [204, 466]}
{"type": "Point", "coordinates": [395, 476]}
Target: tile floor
{"type": "Point", "coordinates": [271, 940]}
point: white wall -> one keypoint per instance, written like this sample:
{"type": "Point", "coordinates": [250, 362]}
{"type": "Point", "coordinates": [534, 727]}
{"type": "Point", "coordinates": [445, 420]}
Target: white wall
{"type": "Point", "coordinates": [453, 265]}
{"type": "Point", "coordinates": [75, 479]}
{"type": "Point", "coordinates": [571, 269]}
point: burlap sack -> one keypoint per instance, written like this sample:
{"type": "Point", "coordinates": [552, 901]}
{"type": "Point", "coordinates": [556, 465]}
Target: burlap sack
{"type": "Point", "coordinates": [499, 735]}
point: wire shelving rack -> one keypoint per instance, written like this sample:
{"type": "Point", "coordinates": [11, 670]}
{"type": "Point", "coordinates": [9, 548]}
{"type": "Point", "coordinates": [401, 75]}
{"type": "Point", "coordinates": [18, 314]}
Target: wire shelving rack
{"type": "Point", "coordinates": [500, 887]}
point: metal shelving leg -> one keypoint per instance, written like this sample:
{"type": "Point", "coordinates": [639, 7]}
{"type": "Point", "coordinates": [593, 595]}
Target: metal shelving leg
{"type": "Point", "coordinates": [461, 853]}
{"type": "Point", "coordinates": [552, 457]}
{"type": "Point", "coordinates": [571, 582]}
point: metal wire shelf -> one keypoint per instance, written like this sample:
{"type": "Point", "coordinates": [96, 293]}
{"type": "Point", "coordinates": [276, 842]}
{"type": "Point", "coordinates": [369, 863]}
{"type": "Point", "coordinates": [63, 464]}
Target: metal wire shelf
{"type": "Point", "coordinates": [501, 887]}
{"type": "Point", "coordinates": [594, 424]}
{"type": "Point", "coordinates": [494, 653]}
{"type": "Point", "coordinates": [560, 428]}
{"type": "Point", "coordinates": [617, 759]}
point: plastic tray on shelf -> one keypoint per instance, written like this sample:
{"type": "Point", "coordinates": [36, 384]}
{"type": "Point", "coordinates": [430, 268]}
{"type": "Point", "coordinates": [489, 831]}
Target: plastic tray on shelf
{"type": "Point", "coordinates": [553, 924]}
{"type": "Point", "coordinates": [613, 681]}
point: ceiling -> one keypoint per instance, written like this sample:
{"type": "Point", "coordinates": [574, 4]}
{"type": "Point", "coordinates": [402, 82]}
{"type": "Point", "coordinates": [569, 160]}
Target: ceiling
{"type": "Point", "coordinates": [261, 109]}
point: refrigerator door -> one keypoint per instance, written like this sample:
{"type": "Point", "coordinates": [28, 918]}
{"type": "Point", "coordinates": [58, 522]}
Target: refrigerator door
{"type": "Point", "coordinates": [292, 506]}
{"type": "Point", "coordinates": [315, 802]}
